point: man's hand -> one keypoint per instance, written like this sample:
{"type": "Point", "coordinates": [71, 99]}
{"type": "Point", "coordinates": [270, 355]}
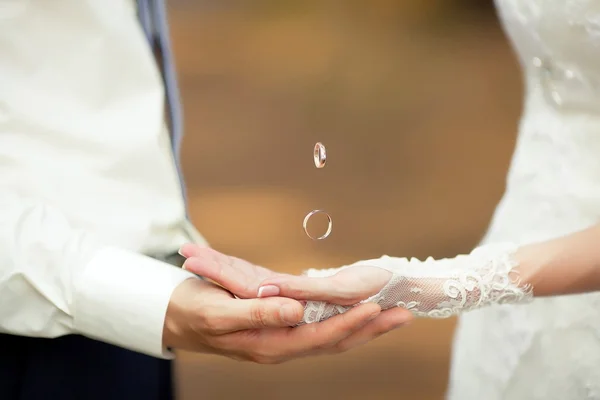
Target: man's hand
{"type": "Point", "coordinates": [205, 318]}
{"type": "Point", "coordinates": [255, 329]}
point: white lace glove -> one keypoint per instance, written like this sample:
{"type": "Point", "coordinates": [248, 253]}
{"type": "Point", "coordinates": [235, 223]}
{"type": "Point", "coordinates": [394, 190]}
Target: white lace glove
{"type": "Point", "coordinates": [437, 288]}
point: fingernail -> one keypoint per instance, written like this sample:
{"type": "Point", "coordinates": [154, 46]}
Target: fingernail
{"type": "Point", "coordinates": [268, 291]}
{"type": "Point", "coordinates": [288, 314]}
{"type": "Point", "coordinates": [373, 316]}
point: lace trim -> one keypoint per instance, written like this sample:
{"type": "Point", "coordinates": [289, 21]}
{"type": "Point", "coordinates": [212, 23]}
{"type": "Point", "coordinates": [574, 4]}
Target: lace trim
{"type": "Point", "coordinates": [439, 288]}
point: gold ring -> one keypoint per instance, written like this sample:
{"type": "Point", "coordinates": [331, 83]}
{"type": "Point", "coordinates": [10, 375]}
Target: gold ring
{"type": "Point", "coordinates": [320, 155]}
{"type": "Point", "coordinates": [309, 216]}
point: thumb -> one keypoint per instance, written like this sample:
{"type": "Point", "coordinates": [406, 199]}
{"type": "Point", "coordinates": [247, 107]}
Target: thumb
{"type": "Point", "coordinates": [273, 312]}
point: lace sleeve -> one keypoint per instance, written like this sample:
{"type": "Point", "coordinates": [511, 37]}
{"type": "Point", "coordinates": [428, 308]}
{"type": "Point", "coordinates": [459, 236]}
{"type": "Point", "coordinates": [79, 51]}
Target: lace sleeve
{"type": "Point", "coordinates": [438, 288]}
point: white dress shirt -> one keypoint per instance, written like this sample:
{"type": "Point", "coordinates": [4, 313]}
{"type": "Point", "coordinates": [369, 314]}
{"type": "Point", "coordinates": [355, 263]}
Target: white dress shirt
{"type": "Point", "coordinates": [88, 183]}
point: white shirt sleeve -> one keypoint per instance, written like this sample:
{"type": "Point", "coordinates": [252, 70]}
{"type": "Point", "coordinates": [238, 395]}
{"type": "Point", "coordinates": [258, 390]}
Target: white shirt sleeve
{"type": "Point", "coordinates": [56, 280]}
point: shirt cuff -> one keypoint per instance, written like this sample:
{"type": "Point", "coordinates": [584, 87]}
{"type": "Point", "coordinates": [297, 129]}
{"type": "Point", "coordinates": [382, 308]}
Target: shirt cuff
{"type": "Point", "coordinates": [121, 298]}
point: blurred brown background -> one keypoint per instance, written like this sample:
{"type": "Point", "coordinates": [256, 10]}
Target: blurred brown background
{"type": "Point", "coordinates": [417, 103]}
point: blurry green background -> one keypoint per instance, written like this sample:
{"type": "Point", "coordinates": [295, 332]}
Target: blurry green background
{"type": "Point", "coordinates": [417, 103]}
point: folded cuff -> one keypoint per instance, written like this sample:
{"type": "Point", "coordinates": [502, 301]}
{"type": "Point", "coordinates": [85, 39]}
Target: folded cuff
{"type": "Point", "coordinates": [122, 298]}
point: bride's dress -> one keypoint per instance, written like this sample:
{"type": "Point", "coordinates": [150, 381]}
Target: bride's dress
{"type": "Point", "coordinates": [548, 349]}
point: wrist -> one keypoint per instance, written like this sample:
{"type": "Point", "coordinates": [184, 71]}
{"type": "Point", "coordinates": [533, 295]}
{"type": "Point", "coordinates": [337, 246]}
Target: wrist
{"type": "Point", "coordinates": [542, 265]}
{"type": "Point", "coordinates": [177, 328]}
{"type": "Point", "coordinates": [530, 260]}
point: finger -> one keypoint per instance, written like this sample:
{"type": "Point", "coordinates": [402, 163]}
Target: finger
{"type": "Point", "coordinates": [240, 314]}
{"type": "Point", "coordinates": [298, 287]}
{"type": "Point", "coordinates": [347, 287]}
{"type": "Point", "coordinates": [190, 249]}
{"type": "Point", "coordinates": [385, 322]}
{"type": "Point", "coordinates": [276, 345]}
{"type": "Point", "coordinates": [219, 268]}
{"type": "Point", "coordinates": [326, 334]}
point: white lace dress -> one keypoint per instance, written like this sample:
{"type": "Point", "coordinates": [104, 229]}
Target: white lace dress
{"type": "Point", "coordinates": [507, 347]}
{"type": "Point", "coordinates": [548, 349]}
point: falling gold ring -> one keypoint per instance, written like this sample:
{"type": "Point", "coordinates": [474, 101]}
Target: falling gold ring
{"type": "Point", "coordinates": [309, 216]}
{"type": "Point", "coordinates": [320, 155]}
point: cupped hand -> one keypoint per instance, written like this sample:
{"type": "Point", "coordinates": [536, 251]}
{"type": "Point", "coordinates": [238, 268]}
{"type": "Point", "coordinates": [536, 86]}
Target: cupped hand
{"type": "Point", "coordinates": [205, 318]}
{"type": "Point", "coordinates": [255, 329]}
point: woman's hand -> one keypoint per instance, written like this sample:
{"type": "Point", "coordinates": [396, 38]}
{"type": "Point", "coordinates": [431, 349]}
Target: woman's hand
{"type": "Point", "coordinates": [347, 286]}
{"type": "Point", "coordinates": [240, 277]}
{"type": "Point", "coordinates": [430, 288]}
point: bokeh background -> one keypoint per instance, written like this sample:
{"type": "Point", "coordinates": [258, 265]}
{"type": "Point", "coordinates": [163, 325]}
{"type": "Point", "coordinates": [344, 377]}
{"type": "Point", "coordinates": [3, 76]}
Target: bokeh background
{"type": "Point", "coordinates": [417, 102]}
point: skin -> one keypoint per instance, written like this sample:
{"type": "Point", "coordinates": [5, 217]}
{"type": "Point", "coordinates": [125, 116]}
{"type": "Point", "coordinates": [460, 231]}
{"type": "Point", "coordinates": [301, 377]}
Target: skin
{"type": "Point", "coordinates": [565, 265]}
{"type": "Point", "coordinates": [206, 317]}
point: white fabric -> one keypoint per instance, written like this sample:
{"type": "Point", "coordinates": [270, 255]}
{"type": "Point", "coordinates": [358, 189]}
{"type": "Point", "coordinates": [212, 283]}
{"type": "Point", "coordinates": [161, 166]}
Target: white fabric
{"type": "Point", "coordinates": [548, 349]}
{"type": "Point", "coordinates": [438, 288]}
{"type": "Point", "coordinates": [87, 179]}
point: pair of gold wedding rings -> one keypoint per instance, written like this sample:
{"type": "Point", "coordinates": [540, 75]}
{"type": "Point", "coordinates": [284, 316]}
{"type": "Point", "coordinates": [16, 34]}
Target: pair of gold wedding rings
{"type": "Point", "coordinates": [320, 158]}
